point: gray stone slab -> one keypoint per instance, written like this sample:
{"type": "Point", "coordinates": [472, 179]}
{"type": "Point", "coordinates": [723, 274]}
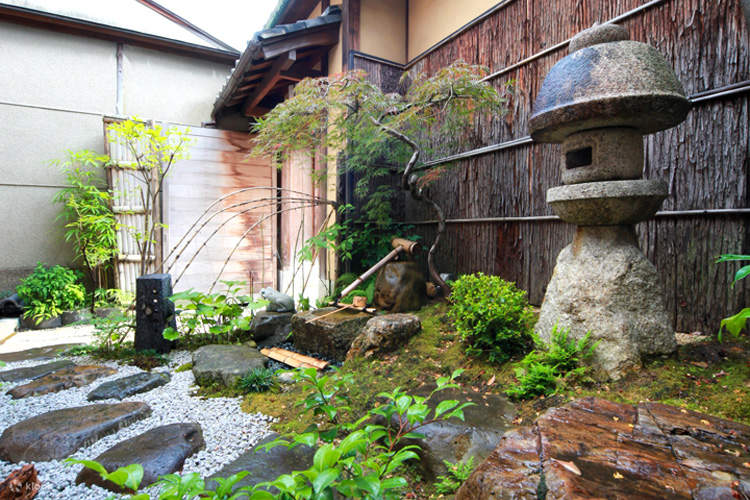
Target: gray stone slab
{"type": "Point", "coordinates": [225, 364]}
{"type": "Point", "coordinates": [57, 434]}
{"type": "Point", "coordinates": [127, 386]}
{"type": "Point", "coordinates": [265, 465]}
{"type": "Point", "coordinates": [34, 372]}
{"type": "Point", "coordinates": [60, 380]}
{"type": "Point", "coordinates": [159, 451]}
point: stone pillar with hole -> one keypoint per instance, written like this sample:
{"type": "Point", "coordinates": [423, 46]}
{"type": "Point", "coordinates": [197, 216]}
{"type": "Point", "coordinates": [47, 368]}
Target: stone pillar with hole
{"type": "Point", "coordinates": [599, 102]}
{"type": "Point", "coordinates": [153, 312]}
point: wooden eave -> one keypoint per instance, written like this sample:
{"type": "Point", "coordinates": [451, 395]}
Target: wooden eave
{"type": "Point", "coordinates": [273, 60]}
{"type": "Point", "coordinates": [82, 27]}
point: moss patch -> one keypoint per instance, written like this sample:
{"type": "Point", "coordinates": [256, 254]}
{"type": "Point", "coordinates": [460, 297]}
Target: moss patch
{"type": "Point", "coordinates": [184, 368]}
{"type": "Point", "coordinates": [710, 377]}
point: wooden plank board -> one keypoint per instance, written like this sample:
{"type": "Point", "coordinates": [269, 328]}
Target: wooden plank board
{"type": "Point", "coordinates": [294, 359]}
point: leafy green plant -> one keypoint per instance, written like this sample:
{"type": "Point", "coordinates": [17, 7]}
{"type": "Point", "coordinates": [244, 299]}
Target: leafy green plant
{"type": "Point", "coordinates": [48, 291]}
{"type": "Point", "coordinates": [457, 473]}
{"type": "Point", "coordinates": [545, 368]}
{"type": "Point", "coordinates": [736, 323]}
{"type": "Point", "coordinates": [328, 392]}
{"type": "Point", "coordinates": [365, 463]}
{"type": "Point", "coordinates": [491, 315]}
{"type": "Point", "coordinates": [90, 222]}
{"type": "Point", "coordinates": [113, 297]}
{"type": "Point", "coordinates": [111, 331]}
{"type": "Point", "coordinates": [212, 314]}
{"type": "Point", "coordinates": [382, 134]}
{"type": "Point", "coordinates": [154, 150]}
{"type": "Point", "coordinates": [128, 477]}
{"type": "Point", "coordinates": [257, 380]}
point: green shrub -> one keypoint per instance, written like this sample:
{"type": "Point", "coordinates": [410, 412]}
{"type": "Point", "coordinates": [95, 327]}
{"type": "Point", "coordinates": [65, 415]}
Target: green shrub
{"type": "Point", "coordinates": [491, 315]}
{"type": "Point", "coordinates": [457, 474]}
{"type": "Point", "coordinates": [257, 380]}
{"type": "Point", "coordinates": [48, 291]}
{"type": "Point", "coordinates": [545, 368]}
{"type": "Point", "coordinates": [111, 331]}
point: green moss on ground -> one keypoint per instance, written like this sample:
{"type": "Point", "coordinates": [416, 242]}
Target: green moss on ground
{"type": "Point", "coordinates": [709, 377]}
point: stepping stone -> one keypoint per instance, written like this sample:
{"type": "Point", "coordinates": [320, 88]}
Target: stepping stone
{"type": "Point", "coordinates": [265, 465]}
{"type": "Point", "coordinates": [160, 451]}
{"type": "Point", "coordinates": [225, 364]}
{"type": "Point", "coordinates": [456, 440]}
{"type": "Point", "coordinates": [36, 353]}
{"type": "Point", "coordinates": [127, 386]}
{"type": "Point", "coordinates": [58, 434]}
{"type": "Point", "coordinates": [65, 378]}
{"type": "Point", "coordinates": [34, 372]}
{"type": "Point", "coordinates": [591, 448]}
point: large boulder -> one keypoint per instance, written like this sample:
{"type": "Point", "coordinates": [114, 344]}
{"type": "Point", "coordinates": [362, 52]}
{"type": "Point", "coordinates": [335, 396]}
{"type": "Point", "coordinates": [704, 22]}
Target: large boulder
{"type": "Point", "coordinates": [265, 465]}
{"type": "Point", "coordinates": [400, 287]}
{"type": "Point", "coordinates": [64, 378]}
{"type": "Point", "coordinates": [270, 327]}
{"type": "Point", "coordinates": [159, 451]}
{"type": "Point", "coordinates": [383, 334]}
{"type": "Point", "coordinates": [225, 364]}
{"type": "Point", "coordinates": [603, 284]}
{"type": "Point", "coordinates": [330, 336]}
{"type": "Point", "coordinates": [127, 386]}
{"type": "Point", "coordinates": [58, 434]}
{"type": "Point", "coordinates": [455, 440]}
{"type": "Point", "coordinates": [592, 446]}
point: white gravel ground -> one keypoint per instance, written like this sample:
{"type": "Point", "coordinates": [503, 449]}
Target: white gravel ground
{"type": "Point", "coordinates": [227, 430]}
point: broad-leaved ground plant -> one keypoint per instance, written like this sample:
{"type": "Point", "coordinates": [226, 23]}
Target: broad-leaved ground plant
{"type": "Point", "coordinates": [736, 323]}
{"type": "Point", "coordinates": [212, 314]}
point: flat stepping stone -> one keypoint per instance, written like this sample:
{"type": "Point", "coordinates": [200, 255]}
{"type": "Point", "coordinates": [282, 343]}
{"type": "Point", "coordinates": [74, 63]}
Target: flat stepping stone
{"type": "Point", "coordinates": [127, 386]}
{"type": "Point", "coordinates": [160, 451]}
{"type": "Point", "coordinates": [58, 434]}
{"type": "Point", "coordinates": [225, 364]}
{"type": "Point", "coordinates": [65, 378]}
{"type": "Point", "coordinates": [34, 372]}
{"type": "Point", "coordinates": [265, 465]}
{"type": "Point", "coordinates": [592, 448]}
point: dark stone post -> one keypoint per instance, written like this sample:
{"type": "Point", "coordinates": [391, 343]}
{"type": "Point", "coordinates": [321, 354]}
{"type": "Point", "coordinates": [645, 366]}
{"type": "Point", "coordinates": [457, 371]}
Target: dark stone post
{"type": "Point", "coordinates": [153, 312]}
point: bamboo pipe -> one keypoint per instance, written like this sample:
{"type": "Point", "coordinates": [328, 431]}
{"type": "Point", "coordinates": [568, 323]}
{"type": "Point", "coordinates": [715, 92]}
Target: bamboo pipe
{"type": "Point", "coordinates": [399, 245]}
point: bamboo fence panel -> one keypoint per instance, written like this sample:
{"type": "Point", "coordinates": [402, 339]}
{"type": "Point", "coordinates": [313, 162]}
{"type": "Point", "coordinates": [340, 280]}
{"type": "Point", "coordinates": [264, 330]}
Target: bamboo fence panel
{"type": "Point", "coordinates": [704, 160]}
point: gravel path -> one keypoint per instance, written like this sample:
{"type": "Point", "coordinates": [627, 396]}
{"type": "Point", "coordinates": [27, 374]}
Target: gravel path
{"type": "Point", "coordinates": [226, 429]}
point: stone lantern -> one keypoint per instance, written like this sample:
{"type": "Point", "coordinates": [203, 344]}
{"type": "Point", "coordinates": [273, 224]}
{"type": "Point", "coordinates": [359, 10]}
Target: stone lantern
{"type": "Point", "coordinates": [598, 102]}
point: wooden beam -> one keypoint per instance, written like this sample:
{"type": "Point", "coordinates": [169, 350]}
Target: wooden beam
{"type": "Point", "coordinates": [299, 75]}
{"type": "Point", "coordinates": [326, 38]}
{"type": "Point", "coordinates": [283, 63]}
{"type": "Point", "coordinates": [350, 30]}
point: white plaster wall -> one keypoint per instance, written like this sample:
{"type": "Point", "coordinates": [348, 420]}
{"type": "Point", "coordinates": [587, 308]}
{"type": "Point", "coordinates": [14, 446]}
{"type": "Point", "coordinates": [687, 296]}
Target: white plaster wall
{"type": "Point", "coordinates": [169, 87]}
{"type": "Point", "coordinates": [55, 89]}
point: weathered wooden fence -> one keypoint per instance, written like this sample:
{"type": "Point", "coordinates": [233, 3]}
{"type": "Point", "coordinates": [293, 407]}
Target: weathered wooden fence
{"type": "Point", "coordinates": [494, 193]}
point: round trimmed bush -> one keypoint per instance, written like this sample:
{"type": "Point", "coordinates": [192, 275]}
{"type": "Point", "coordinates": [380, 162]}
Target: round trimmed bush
{"type": "Point", "coordinates": [491, 315]}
